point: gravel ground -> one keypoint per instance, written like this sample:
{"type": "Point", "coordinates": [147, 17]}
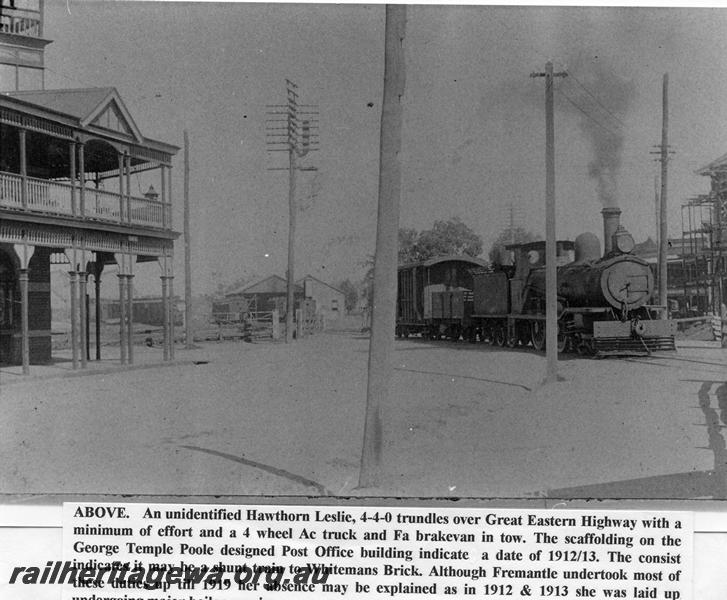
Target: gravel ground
{"type": "Point", "coordinates": [463, 420]}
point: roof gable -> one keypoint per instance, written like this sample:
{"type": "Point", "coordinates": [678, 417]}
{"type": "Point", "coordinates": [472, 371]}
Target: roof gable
{"type": "Point", "coordinates": [112, 118]}
{"type": "Point", "coordinates": [335, 289]}
{"type": "Point", "coordinates": [100, 107]}
{"type": "Point", "coordinates": [716, 165]}
{"type": "Point", "coordinates": [270, 285]}
{"type": "Point", "coordinates": [113, 103]}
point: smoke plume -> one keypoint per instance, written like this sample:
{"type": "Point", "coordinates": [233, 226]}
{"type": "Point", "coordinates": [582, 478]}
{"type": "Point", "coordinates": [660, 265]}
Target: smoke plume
{"type": "Point", "coordinates": [601, 99]}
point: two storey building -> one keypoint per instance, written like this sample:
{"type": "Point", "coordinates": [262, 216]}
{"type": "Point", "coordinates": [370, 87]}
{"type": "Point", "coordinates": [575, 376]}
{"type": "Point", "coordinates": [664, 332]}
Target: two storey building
{"type": "Point", "coordinates": [66, 162]}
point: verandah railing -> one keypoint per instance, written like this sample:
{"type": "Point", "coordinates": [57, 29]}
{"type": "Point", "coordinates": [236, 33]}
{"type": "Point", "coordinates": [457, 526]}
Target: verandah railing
{"type": "Point", "coordinates": [61, 198]}
{"type": "Point", "coordinates": [21, 21]}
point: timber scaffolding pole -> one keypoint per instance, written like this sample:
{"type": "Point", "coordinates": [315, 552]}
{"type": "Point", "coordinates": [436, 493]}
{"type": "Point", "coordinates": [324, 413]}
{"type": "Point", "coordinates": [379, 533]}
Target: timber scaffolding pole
{"type": "Point", "coordinates": [703, 257]}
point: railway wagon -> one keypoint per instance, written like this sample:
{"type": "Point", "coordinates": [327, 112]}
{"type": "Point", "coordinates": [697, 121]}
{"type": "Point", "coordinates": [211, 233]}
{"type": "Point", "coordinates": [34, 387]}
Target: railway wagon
{"type": "Point", "coordinates": [435, 297]}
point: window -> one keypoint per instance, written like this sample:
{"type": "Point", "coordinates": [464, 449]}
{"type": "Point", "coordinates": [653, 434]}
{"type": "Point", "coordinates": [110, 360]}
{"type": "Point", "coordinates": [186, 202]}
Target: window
{"type": "Point", "coordinates": [334, 304]}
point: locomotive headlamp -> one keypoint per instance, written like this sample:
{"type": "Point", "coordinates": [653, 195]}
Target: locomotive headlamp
{"type": "Point", "coordinates": [639, 328]}
{"type": "Point", "coordinates": [623, 241]}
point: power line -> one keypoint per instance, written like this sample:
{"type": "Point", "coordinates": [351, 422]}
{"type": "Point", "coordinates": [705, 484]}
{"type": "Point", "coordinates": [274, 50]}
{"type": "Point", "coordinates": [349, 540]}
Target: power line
{"type": "Point", "coordinates": [585, 113]}
{"type": "Point", "coordinates": [597, 100]}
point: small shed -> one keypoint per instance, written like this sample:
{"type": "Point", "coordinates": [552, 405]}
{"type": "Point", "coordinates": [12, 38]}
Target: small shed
{"type": "Point", "coordinates": [266, 295]}
{"type": "Point", "coordinates": [330, 302]}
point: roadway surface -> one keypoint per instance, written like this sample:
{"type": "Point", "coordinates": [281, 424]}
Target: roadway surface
{"type": "Point", "coordinates": [463, 420]}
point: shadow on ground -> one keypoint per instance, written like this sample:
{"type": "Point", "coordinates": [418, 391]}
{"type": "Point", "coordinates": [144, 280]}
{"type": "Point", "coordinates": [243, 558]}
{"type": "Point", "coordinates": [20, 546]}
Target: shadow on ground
{"type": "Point", "coordinates": [693, 484]}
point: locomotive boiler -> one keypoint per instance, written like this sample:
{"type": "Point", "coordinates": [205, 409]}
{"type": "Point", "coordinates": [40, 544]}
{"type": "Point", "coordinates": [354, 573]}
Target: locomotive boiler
{"type": "Point", "coordinates": [604, 301]}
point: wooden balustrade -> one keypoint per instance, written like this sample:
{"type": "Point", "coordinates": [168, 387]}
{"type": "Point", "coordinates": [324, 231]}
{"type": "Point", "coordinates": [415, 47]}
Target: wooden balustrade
{"type": "Point", "coordinates": [21, 22]}
{"type": "Point", "coordinates": [55, 197]}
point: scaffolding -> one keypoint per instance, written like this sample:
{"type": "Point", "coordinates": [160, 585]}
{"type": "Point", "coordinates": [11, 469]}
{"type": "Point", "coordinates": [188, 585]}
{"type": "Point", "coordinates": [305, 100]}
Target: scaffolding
{"type": "Point", "coordinates": [703, 253]}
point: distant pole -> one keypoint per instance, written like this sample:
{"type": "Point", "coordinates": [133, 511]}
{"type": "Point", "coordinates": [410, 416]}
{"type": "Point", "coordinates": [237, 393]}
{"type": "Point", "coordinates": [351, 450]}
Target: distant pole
{"type": "Point", "coordinates": [188, 335]}
{"type": "Point", "coordinates": [383, 320]}
{"type": "Point", "coordinates": [663, 239]}
{"type": "Point", "coordinates": [657, 201]}
{"type": "Point", "coordinates": [551, 293]}
{"type": "Point", "coordinates": [292, 210]}
{"type": "Point", "coordinates": [551, 283]}
{"type": "Point", "coordinates": [512, 223]}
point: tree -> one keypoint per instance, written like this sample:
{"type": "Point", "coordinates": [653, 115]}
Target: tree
{"type": "Point", "coordinates": [350, 294]}
{"type": "Point", "coordinates": [408, 245]}
{"type": "Point", "coordinates": [516, 235]}
{"type": "Point", "coordinates": [449, 237]}
{"type": "Point", "coordinates": [445, 237]}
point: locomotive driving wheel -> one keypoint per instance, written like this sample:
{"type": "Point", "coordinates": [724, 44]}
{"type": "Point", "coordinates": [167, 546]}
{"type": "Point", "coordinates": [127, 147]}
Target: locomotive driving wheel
{"type": "Point", "coordinates": [512, 337]}
{"type": "Point", "coordinates": [563, 343]}
{"type": "Point", "coordinates": [537, 335]}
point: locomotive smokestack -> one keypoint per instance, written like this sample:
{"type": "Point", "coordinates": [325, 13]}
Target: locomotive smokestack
{"type": "Point", "coordinates": [611, 221]}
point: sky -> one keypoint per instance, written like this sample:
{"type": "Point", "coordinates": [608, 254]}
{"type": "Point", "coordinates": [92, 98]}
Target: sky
{"type": "Point", "coordinates": [474, 118]}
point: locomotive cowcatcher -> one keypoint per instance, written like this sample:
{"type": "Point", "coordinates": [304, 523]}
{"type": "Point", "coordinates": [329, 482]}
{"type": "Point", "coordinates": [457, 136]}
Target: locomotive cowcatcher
{"type": "Point", "coordinates": [604, 302]}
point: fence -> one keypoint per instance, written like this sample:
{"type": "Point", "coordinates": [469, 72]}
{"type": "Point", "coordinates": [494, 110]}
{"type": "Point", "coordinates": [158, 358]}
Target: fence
{"type": "Point", "coordinates": [258, 325]}
{"type": "Point", "coordinates": [263, 325]}
{"type": "Point", "coordinates": [307, 322]}
{"type": "Point", "coordinates": [708, 325]}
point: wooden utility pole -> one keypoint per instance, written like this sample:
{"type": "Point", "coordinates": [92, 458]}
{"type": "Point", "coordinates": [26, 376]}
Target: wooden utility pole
{"type": "Point", "coordinates": [512, 223]}
{"type": "Point", "coordinates": [292, 130]}
{"type": "Point", "coordinates": [383, 320]}
{"type": "Point", "coordinates": [657, 201]}
{"type": "Point", "coordinates": [663, 234]}
{"type": "Point", "coordinates": [188, 335]}
{"type": "Point", "coordinates": [551, 283]}
{"type": "Point", "coordinates": [292, 213]}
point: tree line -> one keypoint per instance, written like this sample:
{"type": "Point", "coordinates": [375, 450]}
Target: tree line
{"type": "Point", "coordinates": [452, 237]}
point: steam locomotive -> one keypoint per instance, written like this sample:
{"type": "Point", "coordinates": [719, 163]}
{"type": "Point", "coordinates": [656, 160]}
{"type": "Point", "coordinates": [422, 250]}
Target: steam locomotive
{"type": "Point", "coordinates": [604, 301]}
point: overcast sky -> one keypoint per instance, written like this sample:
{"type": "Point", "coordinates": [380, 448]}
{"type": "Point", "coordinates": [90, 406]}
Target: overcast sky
{"type": "Point", "coordinates": [474, 118]}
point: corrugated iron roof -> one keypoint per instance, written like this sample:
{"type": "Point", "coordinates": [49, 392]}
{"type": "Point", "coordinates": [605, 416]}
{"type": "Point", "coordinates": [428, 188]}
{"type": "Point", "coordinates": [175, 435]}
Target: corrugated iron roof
{"type": "Point", "coordinates": [449, 257]}
{"type": "Point", "coordinates": [85, 105]}
{"type": "Point", "coordinates": [78, 103]}
{"type": "Point", "coordinates": [309, 276]}
{"type": "Point", "coordinates": [270, 285]}
{"type": "Point", "coordinates": [717, 164]}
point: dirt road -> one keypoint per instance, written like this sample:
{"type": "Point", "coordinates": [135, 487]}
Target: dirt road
{"type": "Point", "coordinates": [464, 420]}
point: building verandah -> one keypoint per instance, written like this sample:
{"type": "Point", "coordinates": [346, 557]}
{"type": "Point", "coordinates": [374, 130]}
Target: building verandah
{"type": "Point", "coordinates": [66, 162]}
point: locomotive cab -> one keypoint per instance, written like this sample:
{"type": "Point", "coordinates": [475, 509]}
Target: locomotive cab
{"type": "Point", "coordinates": [530, 257]}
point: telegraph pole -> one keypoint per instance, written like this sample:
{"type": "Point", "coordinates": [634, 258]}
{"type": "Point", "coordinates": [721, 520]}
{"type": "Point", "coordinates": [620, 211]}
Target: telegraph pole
{"type": "Point", "coordinates": [292, 130]}
{"type": "Point", "coordinates": [188, 336]}
{"type": "Point", "coordinates": [551, 283]}
{"type": "Point", "coordinates": [512, 223]}
{"type": "Point", "coordinates": [383, 319]}
{"type": "Point", "coordinates": [663, 234]}
{"type": "Point", "coordinates": [657, 201]}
